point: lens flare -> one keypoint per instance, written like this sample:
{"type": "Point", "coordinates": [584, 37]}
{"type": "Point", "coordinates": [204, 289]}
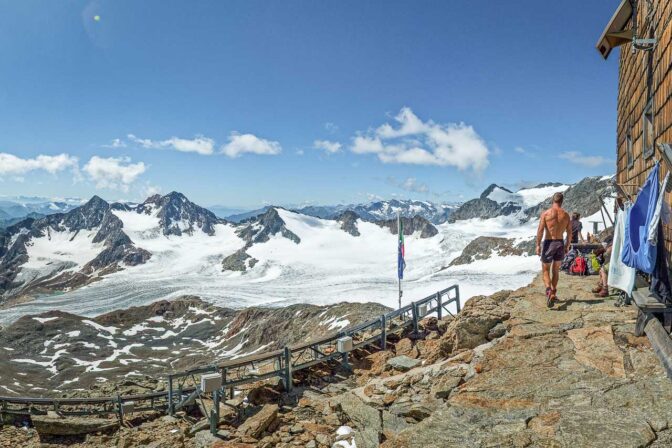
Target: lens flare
{"type": "Point", "coordinates": [96, 18]}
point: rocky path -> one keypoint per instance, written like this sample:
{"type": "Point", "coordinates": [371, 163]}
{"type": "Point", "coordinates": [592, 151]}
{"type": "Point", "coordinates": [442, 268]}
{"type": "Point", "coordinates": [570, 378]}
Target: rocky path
{"type": "Point", "coordinates": [571, 376]}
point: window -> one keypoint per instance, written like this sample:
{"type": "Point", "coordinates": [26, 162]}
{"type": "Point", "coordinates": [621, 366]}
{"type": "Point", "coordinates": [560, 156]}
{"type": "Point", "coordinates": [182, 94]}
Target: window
{"type": "Point", "coordinates": [628, 148]}
{"type": "Point", "coordinates": [647, 130]}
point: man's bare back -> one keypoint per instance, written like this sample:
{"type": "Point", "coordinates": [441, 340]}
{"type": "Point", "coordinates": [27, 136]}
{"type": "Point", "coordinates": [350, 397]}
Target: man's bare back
{"type": "Point", "coordinates": [553, 223]}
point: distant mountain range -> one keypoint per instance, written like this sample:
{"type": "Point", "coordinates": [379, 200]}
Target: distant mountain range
{"type": "Point", "coordinates": [15, 208]}
{"type": "Point", "coordinates": [80, 244]}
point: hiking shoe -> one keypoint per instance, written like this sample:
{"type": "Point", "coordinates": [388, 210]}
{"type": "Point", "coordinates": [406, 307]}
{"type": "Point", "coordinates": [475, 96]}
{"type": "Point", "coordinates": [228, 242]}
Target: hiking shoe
{"type": "Point", "coordinates": [549, 298]}
{"type": "Point", "coordinates": [596, 289]}
{"type": "Point", "coordinates": [604, 292]}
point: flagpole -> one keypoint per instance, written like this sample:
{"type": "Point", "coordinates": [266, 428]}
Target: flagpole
{"type": "Point", "coordinates": [398, 239]}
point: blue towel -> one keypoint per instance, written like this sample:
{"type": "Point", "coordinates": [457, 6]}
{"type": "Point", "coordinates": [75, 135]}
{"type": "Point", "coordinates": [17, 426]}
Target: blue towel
{"type": "Point", "coordinates": [637, 252]}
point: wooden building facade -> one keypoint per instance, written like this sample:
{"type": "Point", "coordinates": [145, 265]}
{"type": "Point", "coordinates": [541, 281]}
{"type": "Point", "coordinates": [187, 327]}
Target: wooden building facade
{"type": "Point", "coordinates": [643, 31]}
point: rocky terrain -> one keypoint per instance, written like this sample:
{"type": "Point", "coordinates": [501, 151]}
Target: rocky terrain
{"type": "Point", "coordinates": [411, 226]}
{"type": "Point", "coordinates": [583, 197]}
{"type": "Point", "coordinates": [506, 372]}
{"type": "Point", "coordinates": [485, 247]}
{"type": "Point", "coordinates": [57, 352]}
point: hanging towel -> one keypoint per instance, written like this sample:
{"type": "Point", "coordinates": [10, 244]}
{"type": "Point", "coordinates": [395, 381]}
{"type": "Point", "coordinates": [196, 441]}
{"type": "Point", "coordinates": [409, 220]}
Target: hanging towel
{"type": "Point", "coordinates": [660, 278]}
{"type": "Point", "coordinates": [620, 276]}
{"type": "Point", "coordinates": [658, 212]}
{"type": "Point", "coordinates": [637, 252]}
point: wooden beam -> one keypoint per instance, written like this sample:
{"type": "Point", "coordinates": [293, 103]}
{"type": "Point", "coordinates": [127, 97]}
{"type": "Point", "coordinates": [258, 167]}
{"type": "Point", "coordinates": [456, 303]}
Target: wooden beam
{"type": "Point", "coordinates": [661, 343]}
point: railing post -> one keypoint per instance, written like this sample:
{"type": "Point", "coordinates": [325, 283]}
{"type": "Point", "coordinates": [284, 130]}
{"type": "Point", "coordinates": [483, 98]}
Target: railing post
{"type": "Point", "coordinates": [439, 306]}
{"type": "Point", "coordinates": [414, 309]}
{"type": "Point", "coordinates": [383, 332]}
{"type": "Point", "coordinates": [457, 296]}
{"type": "Point", "coordinates": [120, 409]}
{"type": "Point", "coordinates": [170, 395]}
{"type": "Point", "coordinates": [214, 413]}
{"type": "Point", "coordinates": [288, 370]}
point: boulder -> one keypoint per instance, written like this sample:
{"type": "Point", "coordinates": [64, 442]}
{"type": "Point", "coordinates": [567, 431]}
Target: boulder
{"type": "Point", "coordinates": [402, 363]}
{"type": "Point", "coordinates": [364, 417]}
{"type": "Point", "coordinates": [255, 425]}
{"type": "Point", "coordinates": [71, 426]}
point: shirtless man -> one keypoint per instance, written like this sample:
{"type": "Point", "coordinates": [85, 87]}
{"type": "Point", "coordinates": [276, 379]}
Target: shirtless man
{"type": "Point", "coordinates": [553, 223]}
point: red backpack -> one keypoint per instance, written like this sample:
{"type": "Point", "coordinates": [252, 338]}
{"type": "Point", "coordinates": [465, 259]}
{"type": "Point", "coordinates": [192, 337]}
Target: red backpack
{"type": "Point", "coordinates": [578, 266]}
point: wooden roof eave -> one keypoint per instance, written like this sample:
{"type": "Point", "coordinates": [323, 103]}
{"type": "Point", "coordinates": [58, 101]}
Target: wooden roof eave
{"type": "Point", "coordinates": [615, 33]}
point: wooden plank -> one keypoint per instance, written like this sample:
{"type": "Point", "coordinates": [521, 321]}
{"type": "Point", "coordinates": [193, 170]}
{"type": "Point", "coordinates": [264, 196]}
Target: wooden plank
{"type": "Point", "coordinates": [661, 343]}
{"type": "Point", "coordinates": [648, 302]}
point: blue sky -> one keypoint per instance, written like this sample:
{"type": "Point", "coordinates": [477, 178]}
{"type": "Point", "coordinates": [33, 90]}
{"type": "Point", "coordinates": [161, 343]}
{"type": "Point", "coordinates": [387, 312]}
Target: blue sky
{"type": "Point", "coordinates": [243, 103]}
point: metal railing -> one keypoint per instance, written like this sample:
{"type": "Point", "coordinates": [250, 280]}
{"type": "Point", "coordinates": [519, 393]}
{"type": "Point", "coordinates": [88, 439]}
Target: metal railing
{"type": "Point", "coordinates": [236, 372]}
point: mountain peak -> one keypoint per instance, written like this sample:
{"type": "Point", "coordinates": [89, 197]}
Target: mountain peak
{"type": "Point", "coordinates": [491, 188]}
{"type": "Point", "coordinates": [178, 215]}
{"type": "Point", "coordinates": [96, 201]}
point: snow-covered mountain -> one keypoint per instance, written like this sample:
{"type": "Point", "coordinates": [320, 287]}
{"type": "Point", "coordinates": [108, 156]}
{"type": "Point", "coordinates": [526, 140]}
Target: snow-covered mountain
{"type": "Point", "coordinates": [169, 235]}
{"type": "Point", "coordinates": [385, 210]}
{"type": "Point", "coordinates": [103, 256]}
{"type": "Point", "coordinates": [527, 202]}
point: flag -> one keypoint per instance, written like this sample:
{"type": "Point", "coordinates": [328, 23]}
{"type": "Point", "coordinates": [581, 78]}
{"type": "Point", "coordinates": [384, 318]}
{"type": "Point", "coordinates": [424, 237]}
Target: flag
{"type": "Point", "coordinates": [401, 263]}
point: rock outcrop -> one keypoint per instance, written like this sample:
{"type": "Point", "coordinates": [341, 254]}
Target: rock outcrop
{"type": "Point", "coordinates": [411, 226]}
{"type": "Point", "coordinates": [178, 215]}
{"type": "Point", "coordinates": [348, 221]}
{"type": "Point", "coordinates": [583, 197]}
{"type": "Point", "coordinates": [239, 261]}
{"type": "Point", "coordinates": [485, 247]}
{"type": "Point", "coordinates": [483, 208]}
{"type": "Point", "coordinates": [261, 228]}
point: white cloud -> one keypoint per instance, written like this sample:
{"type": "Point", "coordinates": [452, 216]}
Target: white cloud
{"type": "Point", "coordinates": [149, 190]}
{"type": "Point", "coordinates": [249, 143]}
{"type": "Point", "coordinates": [116, 143]}
{"type": "Point", "coordinates": [579, 158]}
{"type": "Point", "coordinates": [13, 165]}
{"type": "Point", "coordinates": [327, 146]}
{"type": "Point", "coordinates": [520, 150]}
{"type": "Point", "coordinates": [330, 127]}
{"type": "Point", "coordinates": [367, 145]}
{"type": "Point", "coordinates": [199, 144]}
{"type": "Point", "coordinates": [409, 184]}
{"type": "Point", "coordinates": [416, 142]}
{"type": "Point", "coordinates": [114, 173]}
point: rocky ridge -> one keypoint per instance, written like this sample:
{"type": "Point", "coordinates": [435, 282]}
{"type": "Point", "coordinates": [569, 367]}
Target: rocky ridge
{"type": "Point", "coordinates": [94, 218]}
{"type": "Point", "coordinates": [411, 226]}
{"type": "Point", "coordinates": [582, 197]}
{"type": "Point", "coordinates": [58, 351]}
{"type": "Point", "coordinates": [485, 247]}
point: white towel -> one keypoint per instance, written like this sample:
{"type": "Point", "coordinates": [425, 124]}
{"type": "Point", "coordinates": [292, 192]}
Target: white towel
{"type": "Point", "coordinates": [620, 276]}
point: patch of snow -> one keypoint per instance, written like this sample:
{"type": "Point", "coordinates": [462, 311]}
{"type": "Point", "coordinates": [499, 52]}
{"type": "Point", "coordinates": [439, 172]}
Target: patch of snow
{"type": "Point", "coordinates": [534, 196]}
{"type": "Point", "coordinates": [97, 326]}
{"type": "Point", "coordinates": [62, 247]}
{"type": "Point", "coordinates": [44, 319]}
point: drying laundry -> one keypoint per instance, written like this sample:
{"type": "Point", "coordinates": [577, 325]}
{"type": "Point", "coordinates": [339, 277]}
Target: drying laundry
{"type": "Point", "coordinates": [637, 252]}
{"type": "Point", "coordinates": [620, 276]}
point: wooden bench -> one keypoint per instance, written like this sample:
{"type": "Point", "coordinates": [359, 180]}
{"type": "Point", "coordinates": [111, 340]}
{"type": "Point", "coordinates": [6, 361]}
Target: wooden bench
{"type": "Point", "coordinates": [649, 307]}
{"type": "Point", "coordinates": [650, 313]}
